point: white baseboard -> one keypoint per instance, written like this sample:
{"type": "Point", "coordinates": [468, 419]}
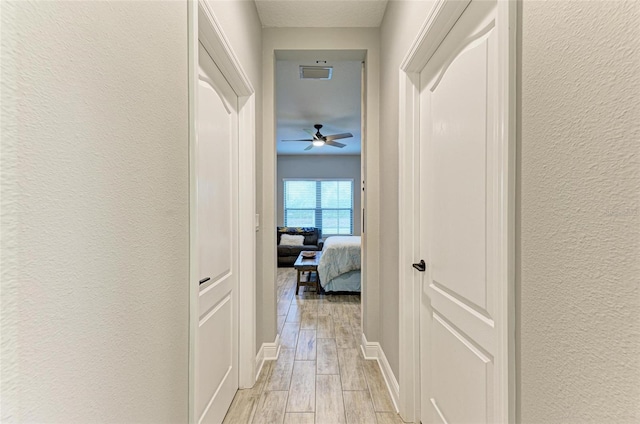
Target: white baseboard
{"type": "Point", "coordinates": [267, 352]}
{"type": "Point", "coordinates": [373, 350]}
{"type": "Point", "coordinates": [272, 350]}
{"type": "Point", "coordinates": [369, 349]}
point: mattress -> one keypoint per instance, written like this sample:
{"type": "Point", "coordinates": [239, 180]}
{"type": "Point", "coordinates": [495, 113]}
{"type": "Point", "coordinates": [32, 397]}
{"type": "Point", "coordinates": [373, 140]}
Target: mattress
{"type": "Point", "coordinates": [348, 282]}
{"type": "Point", "coordinates": [339, 267]}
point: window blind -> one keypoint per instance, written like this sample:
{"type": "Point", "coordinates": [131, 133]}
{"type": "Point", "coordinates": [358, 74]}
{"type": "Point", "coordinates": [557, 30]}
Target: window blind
{"type": "Point", "coordinates": [323, 203]}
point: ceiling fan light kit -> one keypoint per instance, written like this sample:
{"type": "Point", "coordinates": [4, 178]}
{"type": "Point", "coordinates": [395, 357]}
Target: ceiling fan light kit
{"type": "Point", "coordinates": [320, 140]}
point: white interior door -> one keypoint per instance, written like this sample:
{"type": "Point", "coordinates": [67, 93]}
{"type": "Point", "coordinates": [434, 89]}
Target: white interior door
{"type": "Point", "coordinates": [461, 226]}
{"type": "Point", "coordinates": [216, 361]}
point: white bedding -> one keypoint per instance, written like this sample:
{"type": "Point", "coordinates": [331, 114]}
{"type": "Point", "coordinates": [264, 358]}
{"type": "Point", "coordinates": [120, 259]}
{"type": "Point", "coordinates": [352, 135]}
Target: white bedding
{"type": "Point", "coordinates": [340, 254]}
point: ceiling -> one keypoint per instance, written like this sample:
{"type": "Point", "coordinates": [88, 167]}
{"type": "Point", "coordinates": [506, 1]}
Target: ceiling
{"type": "Point", "coordinates": [321, 13]}
{"type": "Point", "coordinates": [334, 103]}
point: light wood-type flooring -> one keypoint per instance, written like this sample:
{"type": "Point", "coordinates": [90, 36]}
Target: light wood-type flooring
{"type": "Point", "coordinates": [320, 376]}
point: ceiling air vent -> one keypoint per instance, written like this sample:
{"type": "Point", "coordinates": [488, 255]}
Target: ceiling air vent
{"type": "Point", "coordinates": [316, 72]}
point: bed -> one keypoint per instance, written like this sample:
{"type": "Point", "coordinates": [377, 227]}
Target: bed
{"type": "Point", "coordinates": [339, 266]}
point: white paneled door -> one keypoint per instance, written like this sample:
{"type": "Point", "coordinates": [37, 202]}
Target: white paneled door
{"type": "Point", "coordinates": [461, 225]}
{"type": "Point", "coordinates": [216, 361]}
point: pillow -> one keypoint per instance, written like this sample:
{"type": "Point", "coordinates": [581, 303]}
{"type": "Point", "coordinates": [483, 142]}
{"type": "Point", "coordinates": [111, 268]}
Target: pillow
{"type": "Point", "coordinates": [291, 240]}
{"type": "Point", "coordinates": [311, 239]}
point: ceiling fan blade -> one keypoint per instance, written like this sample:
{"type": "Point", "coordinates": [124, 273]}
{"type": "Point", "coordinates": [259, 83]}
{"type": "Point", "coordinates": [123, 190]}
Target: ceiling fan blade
{"type": "Point", "coordinates": [334, 144]}
{"type": "Point", "coordinates": [316, 135]}
{"type": "Point", "coordinates": [338, 136]}
{"type": "Point", "coordinates": [310, 147]}
{"type": "Point", "coordinates": [302, 139]}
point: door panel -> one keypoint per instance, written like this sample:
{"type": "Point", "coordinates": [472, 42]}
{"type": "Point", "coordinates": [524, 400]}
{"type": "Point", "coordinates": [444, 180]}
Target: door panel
{"type": "Point", "coordinates": [459, 359]}
{"type": "Point", "coordinates": [458, 211]}
{"type": "Point", "coordinates": [213, 358]}
{"type": "Point", "coordinates": [217, 204]}
{"type": "Point", "coordinates": [459, 176]}
{"type": "Point", "coordinates": [215, 183]}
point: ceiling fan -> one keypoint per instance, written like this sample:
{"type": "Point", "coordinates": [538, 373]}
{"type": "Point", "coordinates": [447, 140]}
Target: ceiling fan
{"type": "Point", "coordinates": [320, 140]}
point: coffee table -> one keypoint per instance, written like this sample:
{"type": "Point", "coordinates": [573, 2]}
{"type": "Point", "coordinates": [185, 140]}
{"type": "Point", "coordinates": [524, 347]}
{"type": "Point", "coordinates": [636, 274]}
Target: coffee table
{"type": "Point", "coordinates": [308, 264]}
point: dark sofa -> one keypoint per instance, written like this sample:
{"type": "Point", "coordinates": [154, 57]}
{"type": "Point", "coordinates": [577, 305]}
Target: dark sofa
{"type": "Point", "coordinates": [287, 255]}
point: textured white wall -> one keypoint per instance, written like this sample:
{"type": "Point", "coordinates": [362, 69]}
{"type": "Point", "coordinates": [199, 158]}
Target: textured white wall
{"type": "Point", "coordinates": [321, 166]}
{"type": "Point", "coordinates": [580, 212]}
{"type": "Point", "coordinates": [95, 218]}
{"type": "Point", "coordinates": [400, 26]}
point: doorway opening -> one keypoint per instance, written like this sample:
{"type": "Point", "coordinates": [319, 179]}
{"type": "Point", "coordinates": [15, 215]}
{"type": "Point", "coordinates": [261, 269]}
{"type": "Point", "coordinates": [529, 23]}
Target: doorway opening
{"type": "Point", "coordinates": [319, 132]}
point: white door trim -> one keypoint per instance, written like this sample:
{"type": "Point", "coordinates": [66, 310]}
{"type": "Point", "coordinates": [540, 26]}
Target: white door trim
{"type": "Point", "coordinates": [439, 22]}
{"type": "Point", "coordinates": [203, 26]}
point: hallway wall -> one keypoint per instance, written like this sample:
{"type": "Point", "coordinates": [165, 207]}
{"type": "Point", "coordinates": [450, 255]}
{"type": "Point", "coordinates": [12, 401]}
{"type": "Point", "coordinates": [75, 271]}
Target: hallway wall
{"type": "Point", "coordinates": [579, 190]}
{"type": "Point", "coordinates": [95, 212]}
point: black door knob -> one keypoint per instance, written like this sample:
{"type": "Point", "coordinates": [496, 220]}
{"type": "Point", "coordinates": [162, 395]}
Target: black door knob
{"type": "Point", "coordinates": [420, 266]}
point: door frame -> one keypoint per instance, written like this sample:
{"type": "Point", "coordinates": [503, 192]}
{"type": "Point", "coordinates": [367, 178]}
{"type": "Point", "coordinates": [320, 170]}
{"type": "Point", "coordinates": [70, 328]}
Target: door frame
{"type": "Point", "coordinates": [323, 39]}
{"type": "Point", "coordinates": [441, 19]}
{"type": "Point", "coordinates": [203, 26]}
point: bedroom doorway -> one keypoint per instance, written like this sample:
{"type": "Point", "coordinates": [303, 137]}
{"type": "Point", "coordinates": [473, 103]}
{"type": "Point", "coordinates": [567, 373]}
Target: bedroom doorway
{"type": "Point", "coordinates": [319, 139]}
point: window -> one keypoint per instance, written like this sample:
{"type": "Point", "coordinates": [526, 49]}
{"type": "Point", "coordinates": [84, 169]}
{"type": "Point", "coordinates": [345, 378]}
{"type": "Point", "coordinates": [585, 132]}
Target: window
{"type": "Point", "coordinates": [326, 204]}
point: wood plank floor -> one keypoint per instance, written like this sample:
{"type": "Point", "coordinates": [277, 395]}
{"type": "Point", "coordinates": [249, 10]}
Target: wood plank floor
{"type": "Point", "coordinates": [320, 376]}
